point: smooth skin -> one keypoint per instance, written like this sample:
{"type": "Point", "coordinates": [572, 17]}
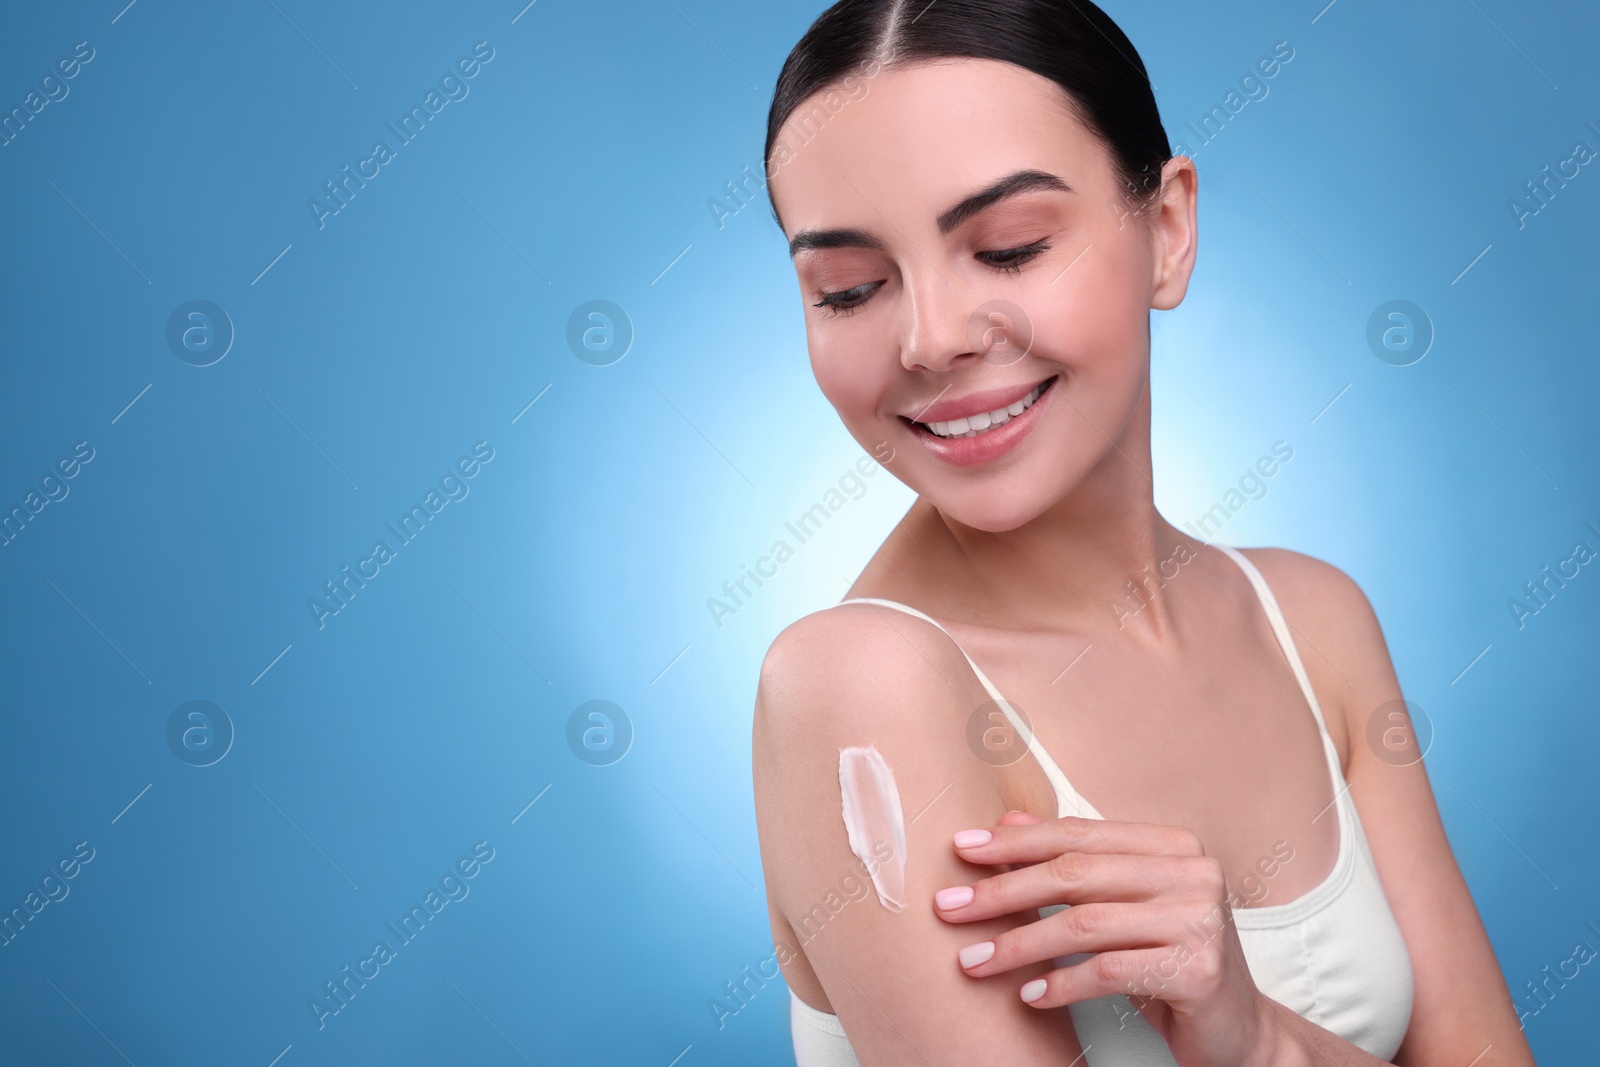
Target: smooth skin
{"type": "Point", "coordinates": [1181, 721]}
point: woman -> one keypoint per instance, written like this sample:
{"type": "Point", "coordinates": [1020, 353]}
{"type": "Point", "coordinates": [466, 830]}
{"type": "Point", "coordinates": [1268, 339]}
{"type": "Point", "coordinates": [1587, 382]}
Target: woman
{"type": "Point", "coordinates": [982, 210]}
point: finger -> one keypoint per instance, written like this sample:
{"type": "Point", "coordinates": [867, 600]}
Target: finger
{"type": "Point", "coordinates": [1036, 842]}
{"type": "Point", "coordinates": [1019, 818]}
{"type": "Point", "coordinates": [1085, 928]}
{"type": "Point", "coordinates": [1080, 878]}
{"type": "Point", "coordinates": [1136, 973]}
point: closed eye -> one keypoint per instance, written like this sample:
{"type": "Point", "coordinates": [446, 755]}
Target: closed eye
{"type": "Point", "coordinates": [1012, 259]}
{"type": "Point", "coordinates": [1009, 260]}
{"type": "Point", "coordinates": [847, 300]}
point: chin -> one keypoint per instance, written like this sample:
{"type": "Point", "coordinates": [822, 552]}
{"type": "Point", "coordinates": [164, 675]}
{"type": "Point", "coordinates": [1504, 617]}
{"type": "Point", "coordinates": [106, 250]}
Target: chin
{"type": "Point", "coordinates": [991, 522]}
{"type": "Point", "coordinates": [991, 508]}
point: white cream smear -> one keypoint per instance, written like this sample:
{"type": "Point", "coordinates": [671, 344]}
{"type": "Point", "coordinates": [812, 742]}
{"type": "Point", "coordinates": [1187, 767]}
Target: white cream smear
{"type": "Point", "coordinates": [873, 819]}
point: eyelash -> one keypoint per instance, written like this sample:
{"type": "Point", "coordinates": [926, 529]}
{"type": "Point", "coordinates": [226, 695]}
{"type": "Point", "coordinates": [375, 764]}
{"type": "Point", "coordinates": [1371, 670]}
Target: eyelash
{"type": "Point", "coordinates": [833, 303]}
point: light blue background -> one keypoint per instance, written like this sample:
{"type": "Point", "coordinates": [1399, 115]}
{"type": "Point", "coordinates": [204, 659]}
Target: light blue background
{"type": "Point", "coordinates": [427, 314]}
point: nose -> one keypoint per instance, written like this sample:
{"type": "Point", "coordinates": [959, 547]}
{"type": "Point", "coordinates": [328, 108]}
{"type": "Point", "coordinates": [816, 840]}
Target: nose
{"type": "Point", "coordinates": [938, 316]}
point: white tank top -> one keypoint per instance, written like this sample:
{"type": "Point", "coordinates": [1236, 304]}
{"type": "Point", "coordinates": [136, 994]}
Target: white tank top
{"type": "Point", "coordinates": [1334, 955]}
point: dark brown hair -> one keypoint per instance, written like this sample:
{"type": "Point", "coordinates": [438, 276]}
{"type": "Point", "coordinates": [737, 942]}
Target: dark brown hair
{"type": "Point", "coordinates": [1071, 42]}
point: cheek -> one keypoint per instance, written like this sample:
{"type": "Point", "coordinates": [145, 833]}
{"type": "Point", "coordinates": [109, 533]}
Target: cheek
{"type": "Point", "coordinates": [854, 368]}
{"type": "Point", "coordinates": [1095, 323]}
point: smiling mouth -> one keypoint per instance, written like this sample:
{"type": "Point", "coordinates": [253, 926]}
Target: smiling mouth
{"type": "Point", "coordinates": [978, 425]}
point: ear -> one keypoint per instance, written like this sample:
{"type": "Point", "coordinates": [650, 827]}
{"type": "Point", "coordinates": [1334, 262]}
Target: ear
{"type": "Point", "coordinates": [1174, 233]}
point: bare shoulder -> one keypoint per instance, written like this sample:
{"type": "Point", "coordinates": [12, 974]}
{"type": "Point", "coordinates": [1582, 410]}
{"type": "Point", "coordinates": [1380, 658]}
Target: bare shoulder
{"type": "Point", "coordinates": [1325, 605]}
{"type": "Point", "coordinates": [864, 675]}
{"type": "Point", "coordinates": [1460, 1001]}
{"type": "Point", "coordinates": [1339, 639]}
{"type": "Point", "coordinates": [1313, 585]}
{"type": "Point", "coordinates": [829, 668]}
{"type": "Point", "coordinates": [851, 675]}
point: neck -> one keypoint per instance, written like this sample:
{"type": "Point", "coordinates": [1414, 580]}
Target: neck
{"type": "Point", "coordinates": [1098, 560]}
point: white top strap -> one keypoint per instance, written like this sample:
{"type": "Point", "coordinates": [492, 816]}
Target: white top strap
{"type": "Point", "coordinates": [1068, 799]}
{"type": "Point", "coordinates": [1280, 627]}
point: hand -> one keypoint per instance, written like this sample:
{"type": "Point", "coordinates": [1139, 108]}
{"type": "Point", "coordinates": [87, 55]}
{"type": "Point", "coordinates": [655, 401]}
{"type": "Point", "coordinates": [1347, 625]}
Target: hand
{"type": "Point", "coordinates": [1152, 906]}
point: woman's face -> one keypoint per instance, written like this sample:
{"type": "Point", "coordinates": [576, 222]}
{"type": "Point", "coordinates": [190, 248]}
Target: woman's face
{"type": "Point", "coordinates": [961, 242]}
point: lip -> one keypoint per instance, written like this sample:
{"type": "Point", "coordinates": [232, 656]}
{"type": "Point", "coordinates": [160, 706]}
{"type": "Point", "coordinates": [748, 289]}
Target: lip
{"type": "Point", "coordinates": [991, 444]}
{"type": "Point", "coordinates": [975, 403]}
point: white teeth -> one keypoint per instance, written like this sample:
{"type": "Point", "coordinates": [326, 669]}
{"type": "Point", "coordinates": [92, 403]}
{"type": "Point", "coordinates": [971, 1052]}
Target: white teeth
{"type": "Point", "coordinates": [973, 425]}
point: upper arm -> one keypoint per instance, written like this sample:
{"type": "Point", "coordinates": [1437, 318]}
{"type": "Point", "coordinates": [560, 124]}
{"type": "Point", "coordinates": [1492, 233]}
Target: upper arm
{"type": "Point", "coordinates": [859, 675]}
{"type": "Point", "coordinates": [1460, 1000]}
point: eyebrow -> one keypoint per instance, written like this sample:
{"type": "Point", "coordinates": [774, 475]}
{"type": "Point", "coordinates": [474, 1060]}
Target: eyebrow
{"type": "Point", "coordinates": [1013, 184]}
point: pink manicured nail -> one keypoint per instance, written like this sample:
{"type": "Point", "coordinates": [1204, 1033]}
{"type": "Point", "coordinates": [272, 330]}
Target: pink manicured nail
{"type": "Point", "coordinates": [1033, 990]}
{"type": "Point", "coordinates": [973, 955]}
{"type": "Point", "coordinates": [955, 897]}
{"type": "Point", "coordinates": [972, 838]}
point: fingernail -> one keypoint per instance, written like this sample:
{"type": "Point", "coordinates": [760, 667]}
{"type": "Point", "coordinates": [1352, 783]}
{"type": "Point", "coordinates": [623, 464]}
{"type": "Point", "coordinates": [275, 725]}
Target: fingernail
{"type": "Point", "coordinates": [1033, 990]}
{"type": "Point", "coordinates": [973, 838]}
{"type": "Point", "coordinates": [955, 897]}
{"type": "Point", "coordinates": [973, 955]}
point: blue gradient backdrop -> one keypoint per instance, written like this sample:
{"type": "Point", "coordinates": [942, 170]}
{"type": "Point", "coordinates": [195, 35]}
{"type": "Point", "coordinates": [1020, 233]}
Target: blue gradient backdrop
{"type": "Point", "coordinates": [371, 352]}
